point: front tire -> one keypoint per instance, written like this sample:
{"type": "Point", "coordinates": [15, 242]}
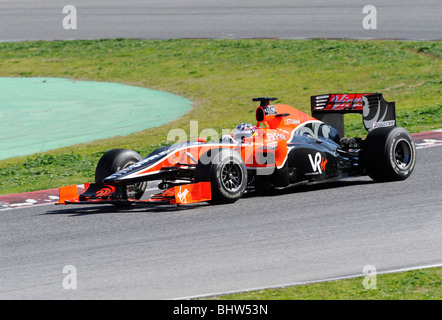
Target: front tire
{"type": "Point", "coordinates": [116, 160]}
{"type": "Point", "coordinates": [227, 174]}
{"type": "Point", "coordinates": [389, 154]}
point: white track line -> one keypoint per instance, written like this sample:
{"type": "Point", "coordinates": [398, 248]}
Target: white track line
{"type": "Point", "coordinates": [307, 282]}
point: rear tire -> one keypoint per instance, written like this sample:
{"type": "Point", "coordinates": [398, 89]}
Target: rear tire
{"type": "Point", "coordinates": [389, 154]}
{"type": "Point", "coordinates": [227, 174]}
{"type": "Point", "coordinates": [116, 160]}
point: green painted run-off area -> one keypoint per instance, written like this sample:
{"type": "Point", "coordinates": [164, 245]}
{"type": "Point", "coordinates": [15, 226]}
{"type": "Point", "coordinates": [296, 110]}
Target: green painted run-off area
{"type": "Point", "coordinates": [41, 114]}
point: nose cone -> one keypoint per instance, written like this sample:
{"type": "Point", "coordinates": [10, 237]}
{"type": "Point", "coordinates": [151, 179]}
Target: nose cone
{"type": "Point", "coordinates": [110, 180]}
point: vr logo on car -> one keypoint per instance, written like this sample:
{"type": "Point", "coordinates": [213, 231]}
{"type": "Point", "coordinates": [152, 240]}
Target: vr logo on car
{"type": "Point", "coordinates": [182, 195]}
{"type": "Point", "coordinates": [318, 163]}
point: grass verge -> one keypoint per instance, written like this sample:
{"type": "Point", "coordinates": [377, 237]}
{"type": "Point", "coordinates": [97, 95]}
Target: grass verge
{"type": "Point", "coordinates": [424, 284]}
{"type": "Point", "coordinates": [221, 77]}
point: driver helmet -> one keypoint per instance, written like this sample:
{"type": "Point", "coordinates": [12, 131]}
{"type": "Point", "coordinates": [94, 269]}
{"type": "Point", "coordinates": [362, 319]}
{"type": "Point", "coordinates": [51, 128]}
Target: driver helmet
{"type": "Point", "coordinates": [244, 130]}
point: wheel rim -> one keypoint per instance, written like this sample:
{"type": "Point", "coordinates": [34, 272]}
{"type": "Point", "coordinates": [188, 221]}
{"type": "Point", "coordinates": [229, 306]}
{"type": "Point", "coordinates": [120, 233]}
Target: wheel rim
{"type": "Point", "coordinates": [231, 177]}
{"type": "Point", "coordinates": [402, 154]}
{"type": "Point", "coordinates": [135, 188]}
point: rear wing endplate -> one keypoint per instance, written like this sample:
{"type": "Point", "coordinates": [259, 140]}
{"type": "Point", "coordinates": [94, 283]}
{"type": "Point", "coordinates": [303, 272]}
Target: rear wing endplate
{"type": "Point", "coordinates": [376, 112]}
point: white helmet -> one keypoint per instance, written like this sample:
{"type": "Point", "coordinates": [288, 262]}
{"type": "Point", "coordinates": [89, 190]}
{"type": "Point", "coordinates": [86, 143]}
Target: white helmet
{"type": "Point", "coordinates": [244, 130]}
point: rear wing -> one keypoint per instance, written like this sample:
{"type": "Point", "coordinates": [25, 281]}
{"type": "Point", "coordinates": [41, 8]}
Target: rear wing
{"type": "Point", "coordinates": [376, 112]}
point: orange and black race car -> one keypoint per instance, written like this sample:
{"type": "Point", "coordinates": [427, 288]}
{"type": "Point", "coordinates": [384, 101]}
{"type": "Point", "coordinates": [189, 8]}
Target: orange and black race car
{"type": "Point", "coordinates": [286, 147]}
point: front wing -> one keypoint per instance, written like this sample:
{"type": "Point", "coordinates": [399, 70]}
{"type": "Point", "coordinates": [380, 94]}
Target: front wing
{"type": "Point", "coordinates": [105, 194]}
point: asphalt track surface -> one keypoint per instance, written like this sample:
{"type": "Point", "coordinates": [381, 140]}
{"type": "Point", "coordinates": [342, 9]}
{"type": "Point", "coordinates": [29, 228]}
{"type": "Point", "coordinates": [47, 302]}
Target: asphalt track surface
{"type": "Point", "coordinates": [164, 19]}
{"type": "Point", "coordinates": [303, 234]}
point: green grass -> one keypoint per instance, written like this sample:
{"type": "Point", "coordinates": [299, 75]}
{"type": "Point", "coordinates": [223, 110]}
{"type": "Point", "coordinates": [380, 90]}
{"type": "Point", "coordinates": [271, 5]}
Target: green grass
{"type": "Point", "coordinates": [424, 284]}
{"type": "Point", "coordinates": [221, 77]}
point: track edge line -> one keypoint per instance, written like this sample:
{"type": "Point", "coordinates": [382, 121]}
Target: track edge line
{"type": "Point", "coordinates": [391, 271]}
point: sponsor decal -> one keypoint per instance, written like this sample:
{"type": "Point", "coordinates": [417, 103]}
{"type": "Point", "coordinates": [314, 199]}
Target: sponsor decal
{"type": "Point", "coordinates": [344, 98]}
{"type": "Point", "coordinates": [104, 192]}
{"type": "Point", "coordinates": [323, 163]}
{"type": "Point", "coordinates": [270, 110]}
{"type": "Point", "coordinates": [274, 136]}
{"type": "Point", "coordinates": [318, 163]}
{"type": "Point", "coordinates": [270, 146]}
{"type": "Point", "coordinates": [382, 124]}
{"type": "Point", "coordinates": [182, 195]}
{"type": "Point", "coordinates": [344, 101]}
{"type": "Point", "coordinates": [290, 121]}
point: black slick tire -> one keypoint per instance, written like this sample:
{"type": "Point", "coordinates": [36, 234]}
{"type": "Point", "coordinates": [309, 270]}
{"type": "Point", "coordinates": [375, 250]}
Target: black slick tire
{"type": "Point", "coordinates": [227, 174]}
{"type": "Point", "coordinates": [389, 154]}
{"type": "Point", "coordinates": [116, 160]}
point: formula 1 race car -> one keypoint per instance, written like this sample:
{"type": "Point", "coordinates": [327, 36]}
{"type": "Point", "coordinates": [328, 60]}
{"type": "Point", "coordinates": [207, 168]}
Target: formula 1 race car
{"type": "Point", "coordinates": [286, 147]}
